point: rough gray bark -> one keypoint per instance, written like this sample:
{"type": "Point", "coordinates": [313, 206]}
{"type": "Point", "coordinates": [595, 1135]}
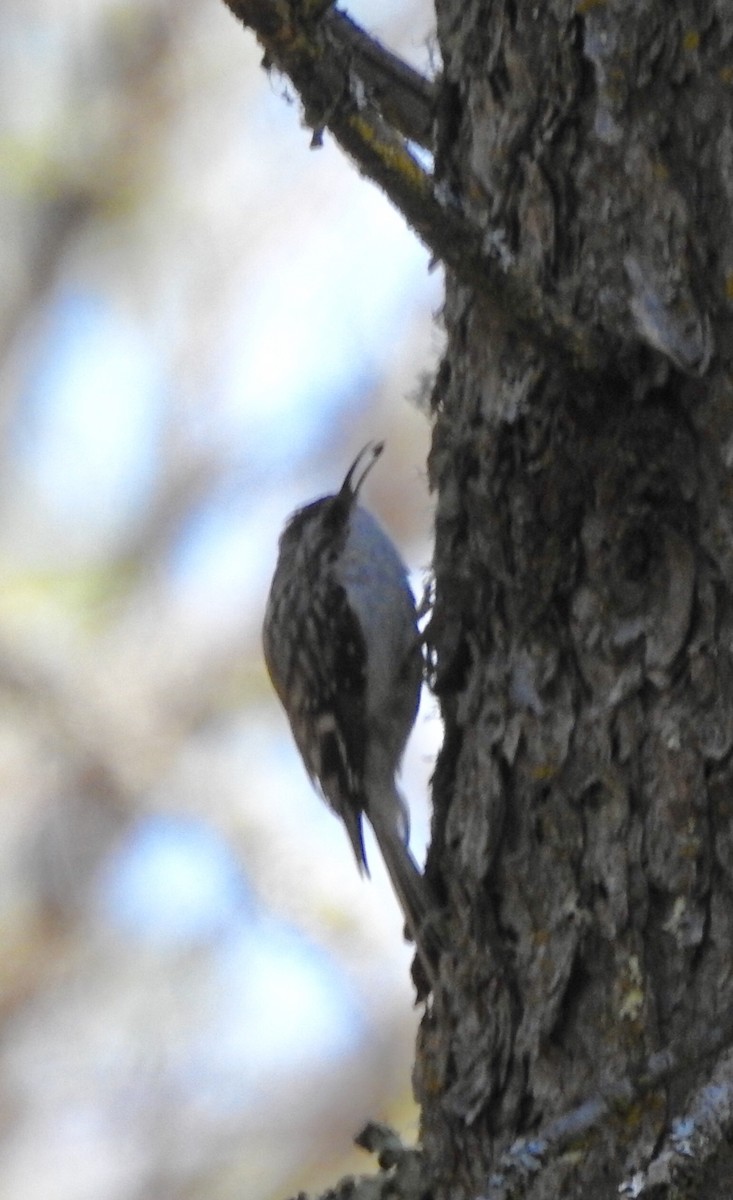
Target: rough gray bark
{"type": "Point", "coordinates": [582, 632]}
{"type": "Point", "coordinates": [583, 618]}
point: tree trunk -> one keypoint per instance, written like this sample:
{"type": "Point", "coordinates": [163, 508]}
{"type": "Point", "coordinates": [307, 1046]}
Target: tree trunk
{"type": "Point", "coordinates": [582, 627]}
{"type": "Point", "coordinates": [583, 619]}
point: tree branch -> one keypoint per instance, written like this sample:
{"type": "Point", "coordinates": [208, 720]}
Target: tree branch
{"type": "Point", "coordinates": [528, 1155]}
{"type": "Point", "coordinates": [371, 102]}
{"type": "Point", "coordinates": [405, 98]}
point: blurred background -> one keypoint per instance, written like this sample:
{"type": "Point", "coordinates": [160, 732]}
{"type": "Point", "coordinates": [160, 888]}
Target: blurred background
{"type": "Point", "coordinates": [202, 322]}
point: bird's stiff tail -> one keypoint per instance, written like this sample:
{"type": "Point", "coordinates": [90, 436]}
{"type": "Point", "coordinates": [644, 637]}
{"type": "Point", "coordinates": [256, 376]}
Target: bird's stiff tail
{"type": "Point", "coordinates": [417, 901]}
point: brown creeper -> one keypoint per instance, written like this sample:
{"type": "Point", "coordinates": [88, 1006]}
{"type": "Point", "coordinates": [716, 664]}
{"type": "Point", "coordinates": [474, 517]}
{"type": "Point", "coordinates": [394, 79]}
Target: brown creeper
{"type": "Point", "coordinates": [343, 651]}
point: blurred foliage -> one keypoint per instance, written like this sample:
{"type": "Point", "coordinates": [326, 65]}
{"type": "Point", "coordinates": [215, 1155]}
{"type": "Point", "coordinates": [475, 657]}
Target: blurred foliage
{"type": "Point", "coordinates": [197, 995]}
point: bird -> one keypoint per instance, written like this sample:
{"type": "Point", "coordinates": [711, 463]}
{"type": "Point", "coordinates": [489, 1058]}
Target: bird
{"type": "Point", "coordinates": [343, 651]}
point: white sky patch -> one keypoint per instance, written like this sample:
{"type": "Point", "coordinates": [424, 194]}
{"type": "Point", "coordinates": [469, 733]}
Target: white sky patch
{"type": "Point", "coordinates": [90, 431]}
{"type": "Point", "coordinates": [319, 316]}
